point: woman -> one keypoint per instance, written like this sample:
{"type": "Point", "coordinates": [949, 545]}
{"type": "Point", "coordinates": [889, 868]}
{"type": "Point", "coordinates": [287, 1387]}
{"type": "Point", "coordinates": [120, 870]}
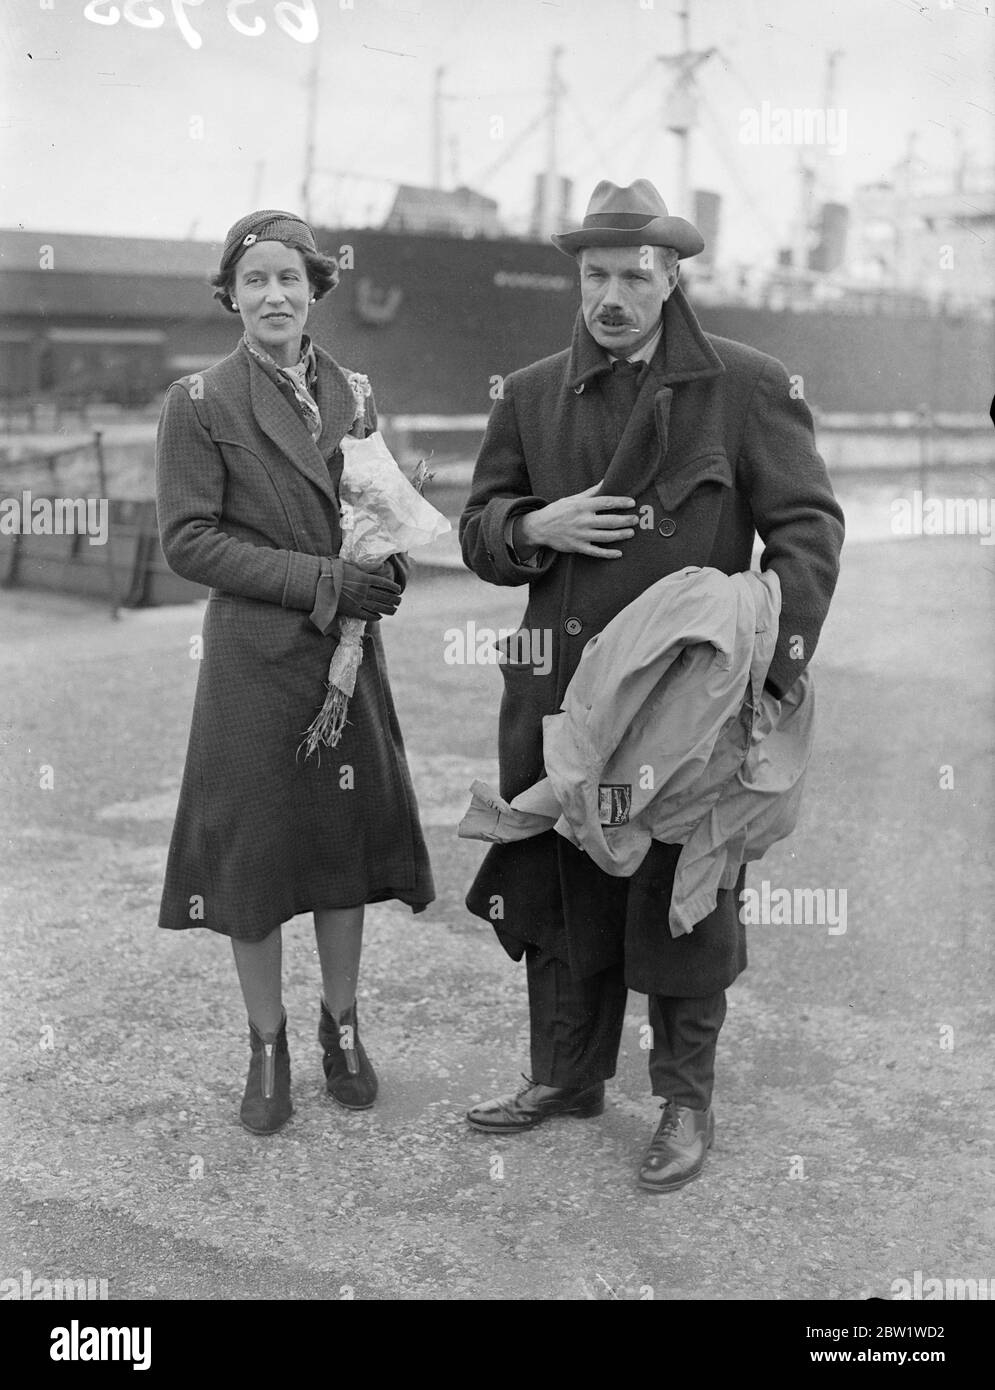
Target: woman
{"type": "Point", "coordinates": [247, 466]}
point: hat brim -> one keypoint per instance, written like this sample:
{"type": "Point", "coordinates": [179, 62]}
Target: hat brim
{"type": "Point", "coordinates": [675, 232]}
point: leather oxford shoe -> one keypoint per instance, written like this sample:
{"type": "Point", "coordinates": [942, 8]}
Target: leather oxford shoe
{"type": "Point", "coordinates": [677, 1151]}
{"type": "Point", "coordinates": [528, 1108]}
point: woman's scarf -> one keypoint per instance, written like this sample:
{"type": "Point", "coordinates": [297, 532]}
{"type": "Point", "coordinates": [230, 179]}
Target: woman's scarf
{"type": "Point", "coordinates": [302, 377]}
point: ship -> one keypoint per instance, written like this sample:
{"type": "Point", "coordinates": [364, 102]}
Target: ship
{"type": "Point", "coordinates": [881, 309]}
{"type": "Point", "coordinates": [440, 301]}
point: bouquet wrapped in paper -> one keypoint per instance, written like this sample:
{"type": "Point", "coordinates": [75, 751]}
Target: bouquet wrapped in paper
{"type": "Point", "coordinates": [382, 515]}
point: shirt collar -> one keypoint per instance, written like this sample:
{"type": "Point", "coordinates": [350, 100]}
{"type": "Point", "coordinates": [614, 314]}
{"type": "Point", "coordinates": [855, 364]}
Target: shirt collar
{"type": "Point", "coordinates": [645, 353]}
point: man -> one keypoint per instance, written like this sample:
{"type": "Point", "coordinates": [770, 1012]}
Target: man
{"type": "Point", "coordinates": [645, 447]}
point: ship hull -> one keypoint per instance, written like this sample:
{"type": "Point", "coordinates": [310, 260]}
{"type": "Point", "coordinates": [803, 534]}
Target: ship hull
{"type": "Point", "coordinates": [437, 321]}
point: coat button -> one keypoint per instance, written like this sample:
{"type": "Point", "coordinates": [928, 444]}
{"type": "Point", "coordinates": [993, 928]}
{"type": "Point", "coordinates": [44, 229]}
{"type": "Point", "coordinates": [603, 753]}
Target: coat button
{"type": "Point", "coordinates": [667, 526]}
{"type": "Point", "coordinates": [573, 626]}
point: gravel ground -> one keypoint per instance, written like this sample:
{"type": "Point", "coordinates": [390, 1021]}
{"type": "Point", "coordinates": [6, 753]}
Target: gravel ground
{"type": "Point", "coordinates": [855, 1070]}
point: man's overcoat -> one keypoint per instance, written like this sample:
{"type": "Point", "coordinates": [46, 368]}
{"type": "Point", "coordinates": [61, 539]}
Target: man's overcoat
{"type": "Point", "coordinates": [247, 503]}
{"type": "Point", "coordinates": [718, 446]}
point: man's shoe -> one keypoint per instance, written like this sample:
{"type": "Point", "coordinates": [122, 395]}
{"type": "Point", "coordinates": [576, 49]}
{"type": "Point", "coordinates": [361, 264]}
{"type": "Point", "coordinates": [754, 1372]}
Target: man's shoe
{"type": "Point", "coordinates": [676, 1153]}
{"type": "Point", "coordinates": [526, 1108]}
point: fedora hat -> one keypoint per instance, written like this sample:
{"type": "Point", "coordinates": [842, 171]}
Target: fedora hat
{"type": "Point", "coordinates": [635, 215]}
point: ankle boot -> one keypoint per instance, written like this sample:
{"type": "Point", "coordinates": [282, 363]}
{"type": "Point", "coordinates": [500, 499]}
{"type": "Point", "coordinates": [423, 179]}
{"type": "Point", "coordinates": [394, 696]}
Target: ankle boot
{"type": "Point", "coordinates": [266, 1104]}
{"type": "Point", "coordinates": [349, 1075]}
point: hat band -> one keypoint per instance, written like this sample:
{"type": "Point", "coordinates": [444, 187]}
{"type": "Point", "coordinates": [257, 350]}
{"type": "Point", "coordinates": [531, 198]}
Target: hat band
{"type": "Point", "coordinates": [624, 221]}
{"type": "Point", "coordinates": [269, 224]}
{"type": "Point", "coordinates": [281, 229]}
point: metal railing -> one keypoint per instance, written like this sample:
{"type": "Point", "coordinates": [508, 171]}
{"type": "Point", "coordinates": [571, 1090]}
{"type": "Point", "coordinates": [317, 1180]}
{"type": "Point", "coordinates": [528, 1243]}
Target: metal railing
{"type": "Point", "coordinates": [48, 461]}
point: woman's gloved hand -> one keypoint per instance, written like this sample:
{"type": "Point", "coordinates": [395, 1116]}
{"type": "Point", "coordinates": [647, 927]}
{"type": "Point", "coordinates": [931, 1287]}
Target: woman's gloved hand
{"type": "Point", "coordinates": [365, 594]}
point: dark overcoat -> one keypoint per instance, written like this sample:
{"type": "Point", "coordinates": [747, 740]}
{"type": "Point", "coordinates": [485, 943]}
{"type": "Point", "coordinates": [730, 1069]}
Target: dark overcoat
{"type": "Point", "coordinates": [716, 447]}
{"type": "Point", "coordinates": [247, 503]}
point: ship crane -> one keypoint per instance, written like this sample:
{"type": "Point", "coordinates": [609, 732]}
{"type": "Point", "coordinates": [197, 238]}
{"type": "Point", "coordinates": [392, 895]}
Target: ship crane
{"type": "Point", "coordinates": [815, 178]}
{"type": "Point", "coordinates": [686, 110]}
{"type": "Point", "coordinates": [682, 104]}
{"type": "Point", "coordinates": [681, 115]}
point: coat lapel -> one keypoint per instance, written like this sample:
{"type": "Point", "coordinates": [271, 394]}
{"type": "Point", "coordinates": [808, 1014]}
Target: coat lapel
{"type": "Point", "coordinates": [641, 449]}
{"type": "Point", "coordinates": [684, 354]}
{"type": "Point", "coordinates": [336, 403]}
{"type": "Point", "coordinates": [282, 423]}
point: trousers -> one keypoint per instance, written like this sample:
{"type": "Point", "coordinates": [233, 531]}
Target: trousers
{"type": "Point", "coordinates": [576, 1028]}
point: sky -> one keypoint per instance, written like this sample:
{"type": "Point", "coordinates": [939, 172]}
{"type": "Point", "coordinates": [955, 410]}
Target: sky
{"type": "Point", "coordinates": [127, 128]}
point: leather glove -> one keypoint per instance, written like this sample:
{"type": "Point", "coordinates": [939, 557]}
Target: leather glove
{"type": "Point", "coordinates": [365, 594]}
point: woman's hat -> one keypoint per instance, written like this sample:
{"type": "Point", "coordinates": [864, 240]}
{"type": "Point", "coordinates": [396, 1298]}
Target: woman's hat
{"type": "Point", "coordinates": [632, 216]}
{"type": "Point", "coordinates": [268, 225]}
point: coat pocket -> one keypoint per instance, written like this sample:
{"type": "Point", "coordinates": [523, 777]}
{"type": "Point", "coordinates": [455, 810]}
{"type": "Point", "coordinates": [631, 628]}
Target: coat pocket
{"type": "Point", "coordinates": [264, 632]}
{"type": "Point", "coordinates": [527, 652]}
{"type": "Point", "coordinates": [675, 484]}
{"type": "Point", "coordinates": [529, 694]}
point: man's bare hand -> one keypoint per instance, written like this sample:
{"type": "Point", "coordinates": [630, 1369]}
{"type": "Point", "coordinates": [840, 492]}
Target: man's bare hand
{"type": "Point", "coordinates": [583, 523]}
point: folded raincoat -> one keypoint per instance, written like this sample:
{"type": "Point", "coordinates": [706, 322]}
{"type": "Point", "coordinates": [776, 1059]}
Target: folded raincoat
{"type": "Point", "coordinates": [666, 732]}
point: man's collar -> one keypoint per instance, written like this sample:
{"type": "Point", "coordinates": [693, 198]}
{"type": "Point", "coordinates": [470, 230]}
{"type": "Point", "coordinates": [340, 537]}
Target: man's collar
{"type": "Point", "coordinates": [684, 354]}
{"type": "Point", "coordinates": [645, 353]}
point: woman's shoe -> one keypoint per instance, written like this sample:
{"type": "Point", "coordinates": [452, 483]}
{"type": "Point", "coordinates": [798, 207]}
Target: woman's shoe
{"type": "Point", "coordinates": [349, 1075]}
{"type": "Point", "coordinates": [266, 1104]}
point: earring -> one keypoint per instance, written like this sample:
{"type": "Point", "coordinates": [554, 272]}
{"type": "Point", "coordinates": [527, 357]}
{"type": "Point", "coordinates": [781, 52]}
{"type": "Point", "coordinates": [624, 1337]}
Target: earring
{"type": "Point", "coordinates": [234, 305]}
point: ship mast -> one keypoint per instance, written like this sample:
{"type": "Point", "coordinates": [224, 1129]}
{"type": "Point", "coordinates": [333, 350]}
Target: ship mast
{"type": "Point", "coordinates": [682, 104]}
{"type": "Point", "coordinates": [906, 190]}
{"type": "Point", "coordinates": [548, 209]}
{"type": "Point", "coordinates": [437, 135]}
{"type": "Point", "coordinates": [816, 176]}
{"type": "Point", "coordinates": [683, 133]}
{"type": "Point", "coordinates": [310, 121]}
{"type": "Point", "coordinates": [828, 164]}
